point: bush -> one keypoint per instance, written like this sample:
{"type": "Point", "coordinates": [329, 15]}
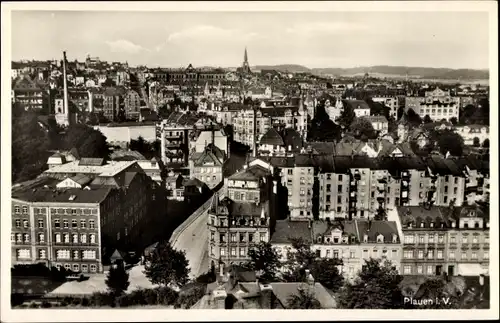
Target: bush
{"type": "Point", "coordinates": [151, 297]}
{"type": "Point", "coordinates": [190, 296]}
{"type": "Point", "coordinates": [85, 302]}
{"type": "Point", "coordinates": [166, 295]}
{"type": "Point", "coordinates": [76, 301]}
{"type": "Point", "coordinates": [46, 304]}
{"type": "Point", "coordinates": [33, 305]}
{"type": "Point", "coordinates": [123, 301]}
{"type": "Point", "coordinates": [102, 299]}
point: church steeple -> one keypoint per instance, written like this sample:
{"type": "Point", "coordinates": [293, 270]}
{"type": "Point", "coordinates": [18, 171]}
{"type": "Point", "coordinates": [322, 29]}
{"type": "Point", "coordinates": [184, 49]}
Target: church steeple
{"type": "Point", "coordinates": [245, 57]}
{"type": "Point", "coordinates": [245, 68]}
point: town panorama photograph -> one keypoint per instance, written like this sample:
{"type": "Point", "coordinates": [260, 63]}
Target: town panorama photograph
{"type": "Point", "coordinates": [169, 159]}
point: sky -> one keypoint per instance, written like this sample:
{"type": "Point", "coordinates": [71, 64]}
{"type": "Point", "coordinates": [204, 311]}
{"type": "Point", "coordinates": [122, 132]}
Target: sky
{"type": "Point", "coordinates": [312, 39]}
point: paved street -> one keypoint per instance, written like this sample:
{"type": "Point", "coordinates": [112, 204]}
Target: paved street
{"type": "Point", "coordinates": [193, 240]}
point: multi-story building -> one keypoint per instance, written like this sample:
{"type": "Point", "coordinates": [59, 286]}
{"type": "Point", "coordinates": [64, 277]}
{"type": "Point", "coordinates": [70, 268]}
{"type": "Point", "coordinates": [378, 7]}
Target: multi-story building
{"type": "Point", "coordinates": [112, 103]}
{"type": "Point", "coordinates": [469, 242]}
{"type": "Point", "coordinates": [29, 94]}
{"type": "Point", "coordinates": [280, 142]}
{"type": "Point", "coordinates": [360, 107]}
{"type": "Point", "coordinates": [437, 104]}
{"type": "Point", "coordinates": [241, 219]}
{"type": "Point", "coordinates": [132, 104]}
{"type": "Point", "coordinates": [297, 179]}
{"type": "Point", "coordinates": [351, 241]}
{"type": "Point", "coordinates": [392, 102]}
{"type": "Point", "coordinates": [379, 123]}
{"type": "Point", "coordinates": [470, 132]}
{"type": "Point", "coordinates": [425, 242]}
{"type": "Point", "coordinates": [207, 166]}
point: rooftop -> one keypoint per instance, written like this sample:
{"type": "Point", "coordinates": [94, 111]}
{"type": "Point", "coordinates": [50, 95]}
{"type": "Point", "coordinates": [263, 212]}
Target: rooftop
{"type": "Point", "coordinates": [110, 169]}
{"type": "Point", "coordinates": [286, 230]}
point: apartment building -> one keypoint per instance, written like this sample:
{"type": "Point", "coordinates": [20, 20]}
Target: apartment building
{"type": "Point", "coordinates": [351, 241]}
{"type": "Point", "coordinates": [279, 141]}
{"type": "Point", "coordinates": [425, 242]}
{"type": "Point", "coordinates": [132, 105]}
{"type": "Point", "coordinates": [297, 179]}
{"type": "Point", "coordinates": [437, 104]}
{"type": "Point", "coordinates": [470, 132]}
{"type": "Point", "coordinates": [29, 94]}
{"type": "Point", "coordinates": [207, 166]}
{"type": "Point", "coordinates": [469, 242]}
{"type": "Point", "coordinates": [392, 102]}
{"type": "Point", "coordinates": [244, 217]}
{"type": "Point", "coordinates": [112, 103]}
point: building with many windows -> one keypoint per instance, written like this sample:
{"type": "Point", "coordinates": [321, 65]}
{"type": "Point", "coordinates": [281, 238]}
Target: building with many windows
{"type": "Point", "coordinates": [437, 104]}
{"type": "Point", "coordinates": [244, 217]}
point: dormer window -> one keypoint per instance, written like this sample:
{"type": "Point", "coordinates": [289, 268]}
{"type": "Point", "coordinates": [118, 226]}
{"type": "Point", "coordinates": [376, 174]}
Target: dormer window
{"type": "Point", "coordinates": [431, 224]}
{"type": "Point", "coordinates": [422, 224]}
{"type": "Point", "coordinates": [320, 240]}
{"type": "Point", "coordinates": [394, 238]}
{"type": "Point", "coordinates": [409, 225]}
{"type": "Point", "coordinates": [328, 240]}
{"type": "Point", "coordinates": [380, 238]}
{"type": "Point", "coordinates": [365, 238]}
{"type": "Point", "coordinates": [453, 224]}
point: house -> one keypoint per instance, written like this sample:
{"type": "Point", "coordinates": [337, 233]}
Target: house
{"type": "Point", "coordinates": [470, 132]}
{"type": "Point", "coordinates": [207, 166]}
{"type": "Point", "coordinates": [175, 187]}
{"type": "Point", "coordinates": [280, 141]}
{"type": "Point", "coordinates": [360, 107]}
{"type": "Point", "coordinates": [379, 124]}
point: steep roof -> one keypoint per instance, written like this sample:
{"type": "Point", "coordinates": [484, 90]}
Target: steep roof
{"type": "Point", "coordinates": [272, 137]}
{"type": "Point", "coordinates": [252, 173]}
{"type": "Point", "coordinates": [286, 230]}
{"type": "Point", "coordinates": [375, 228]}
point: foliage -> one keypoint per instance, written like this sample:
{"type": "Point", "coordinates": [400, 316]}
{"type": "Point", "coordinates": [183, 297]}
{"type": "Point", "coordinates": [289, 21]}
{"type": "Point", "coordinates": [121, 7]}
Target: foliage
{"type": "Point", "coordinates": [376, 287]}
{"type": "Point", "coordinates": [187, 298]}
{"type": "Point", "coordinates": [346, 117]}
{"type": "Point", "coordinates": [381, 214]}
{"type": "Point", "coordinates": [434, 289]}
{"type": "Point", "coordinates": [427, 119]}
{"type": "Point", "coordinates": [102, 299]}
{"type": "Point", "coordinates": [413, 117]}
{"type": "Point", "coordinates": [16, 299]}
{"type": "Point", "coordinates": [303, 300]}
{"type": "Point", "coordinates": [88, 141]}
{"type": "Point", "coordinates": [476, 142]}
{"type": "Point", "coordinates": [117, 280]}
{"type": "Point", "coordinates": [145, 148]}
{"type": "Point", "coordinates": [207, 278]}
{"type": "Point", "coordinates": [324, 271]}
{"type": "Point", "coordinates": [362, 128]}
{"type": "Point", "coordinates": [265, 259]}
{"type": "Point", "coordinates": [486, 143]}
{"type": "Point", "coordinates": [167, 265]}
{"type": "Point", "coordinates": [448, 141]}
{"type": "Point", "coordinates": [454, 121]}
{"type": "Point", "coordinates": [378, 109]}
{"type": "Point", "coordinates": [30, 146]}
{"type": "Point", "coordinates": [322, 127]}
{"type": "Point", "coordinates": [46, 304]}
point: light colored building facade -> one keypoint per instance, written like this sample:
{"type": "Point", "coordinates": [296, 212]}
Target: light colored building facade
{"type": "Point", "coordinates": [470, 132]}
{"type": "Point", "coordinates": [392, 102]}
{"type": "Point", "coordinates": [437, 104]}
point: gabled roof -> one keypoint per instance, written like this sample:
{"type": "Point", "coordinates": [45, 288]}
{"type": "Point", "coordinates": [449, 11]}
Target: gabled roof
{"type": "Point", "coordinates": [252, 173]}
{"type": "Point", "coordinates": [285, 231]}
{"type": "Point", "coordinates": [272, 137]}
{"type": "Point", "coordinates": [375, 228]}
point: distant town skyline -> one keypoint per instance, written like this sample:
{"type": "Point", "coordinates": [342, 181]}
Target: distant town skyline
{"type": "Point", "coordinates": [218, 39]}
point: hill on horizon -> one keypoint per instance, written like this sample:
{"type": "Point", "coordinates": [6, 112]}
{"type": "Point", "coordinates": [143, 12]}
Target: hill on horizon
{"type": "Point", "coordinates": [413, 72]}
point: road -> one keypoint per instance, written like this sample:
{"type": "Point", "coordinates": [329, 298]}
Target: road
{"type": "Point", "coordinates": [193, 240]}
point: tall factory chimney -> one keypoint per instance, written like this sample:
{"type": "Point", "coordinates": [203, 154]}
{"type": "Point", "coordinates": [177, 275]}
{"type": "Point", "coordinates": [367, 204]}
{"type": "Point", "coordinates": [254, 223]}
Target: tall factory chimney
{"type": "Point", "coordinates": [65, 84]}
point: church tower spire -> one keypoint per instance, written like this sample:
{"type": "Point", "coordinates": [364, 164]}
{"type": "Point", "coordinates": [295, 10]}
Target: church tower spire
{"type": "Point", "coordinates": [245, 57]}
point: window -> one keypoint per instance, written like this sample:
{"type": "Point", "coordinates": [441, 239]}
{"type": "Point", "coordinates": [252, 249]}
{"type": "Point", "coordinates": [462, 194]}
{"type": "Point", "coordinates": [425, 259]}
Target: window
{"type": "Point", "coordinates": [474, 239]}
{"type": "Point", "coordinates": [465, 239]}
{"type": "Point", "coordinates": [486, 255]}
{"type": "Point", "coordinates": [352, 254]}
{"type": "Point", "coordinates": [75, 238]}
{"type": "Point", "coordinates": [40, 224]}
{"type": "Point", "coordinates": [57, 223]}
{"type": "Point", "coordinates": [474, 255]}
{"type": "Point", "coordinates": [452, 255]}
{"type": "Point", "coordinates": [89, 254]}
{"type": "Point", "coordinates": [23, 254]}
{"type": "Point", "coordinates": [76, 254]}
{"type": "Point", "coordinates": [76, 267]}
{"type": "Point", "coordinates": [262, 237]}
{"type": "Point", "coordinates": [445, 199]}
{"type": "Point", "coordinates": [83, 237]}
{"type": "Point", "coordinates": [486, 239]}
{"type": "Point", "coordinates": [430, 254]}
{"type": "Point", "coordinates": [290, 171]}
{"type": "Point", "coordinates": [430, 270]}
{"type": "Point", "coordinates": [26, 237]}
{"type": "Point", "coordinates": [74, 224]}
{"type": "Point", "coordinates": [339, 189]}
{"type": "Point", "coordinates": [92, 238]}
{"type": "Point", "coordinates": [222, 251]}
{"type": "Point", "coordinates": [65, 224]}
{"type": "Point", "coordinates": [18, 223]}
{"type": "Point", "coordinates": [233, 237]}
{"type": "Point", "coordinates": [420, 269]}
{"type": "Point", "coordinates": [66, 238]}
{"type": "Point", "coordinates": [464, 255]}
{"type": "Point", "coordinates": [222, 237]}
{"type": "Point", "coordinates": [41, 238]}
{"type": "Point", "coordinates": [17, 209]}
{"type": "Point", "coordinates": [62, 254]}
{"type": "Point", "coordinates": [242, 252]}
{"type": "Point", "coordinates": [407, 270]}
{"type": "Point", "coordinates": [408, 254]}
{"type": "Point", "coordinates": [440, 254]}
{"type": "Point", "coordinates": [25, 223]}
{"type": "Point", "coordinates": [93, 268]}
{"type": "Point", "coordinates": [250, 237]}
{"type": "Point", "coordinates": [233, 252]}
{"type": "Point", "coordinates": [440, 238]}
{"type": "Point", "coordinates": [91, 224]}
{"type": "Point", "coordinates": [409, 238]}
{"type": "Point", "coordinates": [421, 238]}
{"type": "Point", "coordinates": [420, 254]}
{"type": "Point", "coordinates": [58, 238]}
{"type": "Point", "coordinates": [42, 254]}
{"type": "Point", "coordinates": [83, 224]}
{"type": "Point", "coordinates": [335, 254]}
{"type": "Point", "coordinates": [25, 209]}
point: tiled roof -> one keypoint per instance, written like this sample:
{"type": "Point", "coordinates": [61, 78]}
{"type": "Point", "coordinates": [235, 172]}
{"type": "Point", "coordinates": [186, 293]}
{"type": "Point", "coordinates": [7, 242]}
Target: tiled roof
{"type": "Point", "coordinates": [286, 230]}
{"type": "Point", "coordinates": [419, 214]}
{"type": "Point", "coordinates": [374, 228]}
{"type": "Point", "coordinates": [252, 173]}
{"type": "Point", "coordinates": [357, 104]}
{"type": "Point", "coordinates": [66, 195]}
{"type": "Point", "coordinates": [283, 291]}
{"type": "Point", "coordinates": [272, 137]}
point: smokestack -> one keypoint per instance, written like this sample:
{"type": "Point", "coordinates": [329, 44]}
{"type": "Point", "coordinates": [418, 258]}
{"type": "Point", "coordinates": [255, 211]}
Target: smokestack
{"type": "Point", "coordinates": [91, 101]}
{"type": "Point", "coordinates": [65, 84]}
{"type": "Point", "coordinates": [254, 143]}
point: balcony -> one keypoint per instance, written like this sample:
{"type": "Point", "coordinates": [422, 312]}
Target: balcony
{"type": "Point", "coordinates": [172, 144]}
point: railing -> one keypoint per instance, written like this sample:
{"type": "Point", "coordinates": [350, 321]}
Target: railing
{"type": "Point", "coordinates": [195, 215]}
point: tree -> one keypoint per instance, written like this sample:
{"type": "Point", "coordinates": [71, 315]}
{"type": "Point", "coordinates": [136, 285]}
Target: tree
{"type": "Point", "coordinates": [303, 300]}
{"type": "Point", "coordinates": [476, 142]}
{"type": "Point", "coordinates": [30, 145]}
{"type": "Point", "coordinates": [413, 117]}
{"type": "Point", "coordinates": [88, 141]}
{"type": "Point", "coordinates": [449, 141]}
{"type": "Point", "coordinates": [454, 121]}
{"type": "Point", "coordinates": [117, 280]}
{"type": "Point", "coordinates": [427, 119]}
{"type": "Point", "coordinates": [362, 128]}
{"type": "Point", "coordinates": [346, 117]}
{"type": "Point", "coordinates": [167, 266]}
{"type": "Point", "coordinates": [322, 128]}
{"type": "Point", "coordinates": [324, 271]}
{"type": "Point", "coordinates": [434, 289]}
{"type": "Point", "coordinates": [466, 114]}
{"type": "Point", "coordinates": [486, 143]}
{"type": "Point", "coordinates": [376, 287]}
{"type": "Point", "coordinates": [265, 259]}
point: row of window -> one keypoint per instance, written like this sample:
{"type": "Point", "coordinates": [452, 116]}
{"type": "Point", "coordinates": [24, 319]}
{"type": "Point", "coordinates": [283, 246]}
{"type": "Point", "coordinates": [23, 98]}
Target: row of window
{"type": "Point", "coordinates": [67, 211]}
{"type": "Point", "coordinates": [431, 238]}
{"type": "Point", "coordinates": [241, 237]}
{"type": "Point", "coordinates": [77, 267]}
{"type": "Point", "coordinates": [57, 224]}
{"type": "Point", "coordinates": [76, 254]}
{"type": "Point", "coordinates": [233, 253]}
{"type": "Point", "coordinates": [25, 238]}
{"type": "Point", "coordinates": [409, 254]}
